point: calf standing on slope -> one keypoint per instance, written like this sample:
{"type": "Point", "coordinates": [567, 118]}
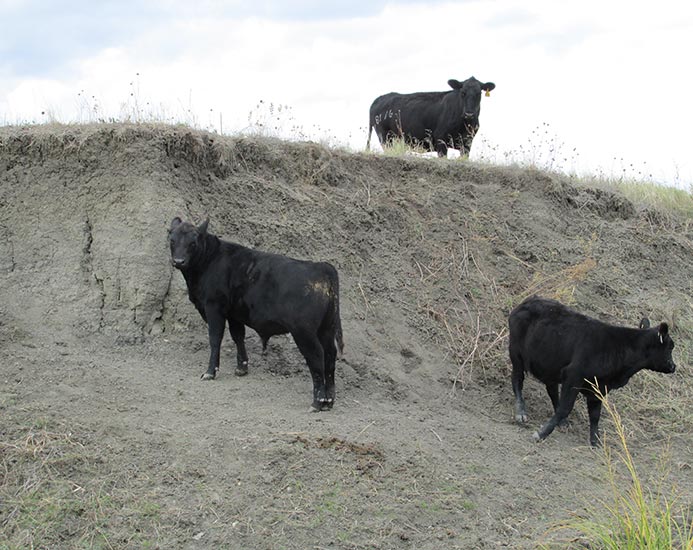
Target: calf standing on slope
{"type": "Point", "coordinates": [269, 293]}
{"type": "Point", "coordinates": [561, 346]}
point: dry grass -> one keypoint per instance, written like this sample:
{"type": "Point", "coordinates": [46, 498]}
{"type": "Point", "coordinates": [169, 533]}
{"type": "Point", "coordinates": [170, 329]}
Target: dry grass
{"type": "Point", "coordinates": [640, 514]}
{"type": "Point", "coordinates": [560, 285]}
{"type": "Point", "coordinates": [464, 302]}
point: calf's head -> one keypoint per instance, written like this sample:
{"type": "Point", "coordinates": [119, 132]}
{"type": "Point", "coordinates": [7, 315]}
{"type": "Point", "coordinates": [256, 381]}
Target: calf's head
{"type": "Point", "coordinates": [659, 346]}
{"type": "Point", "coordinates": [186, 241]}
{"type": "Point", "coordinates": [470, 93]}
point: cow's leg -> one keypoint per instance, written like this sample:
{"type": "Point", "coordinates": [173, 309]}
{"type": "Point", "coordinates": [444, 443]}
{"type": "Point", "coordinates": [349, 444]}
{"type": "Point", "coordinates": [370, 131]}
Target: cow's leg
{"type": "Point", "coordinates": [215, 328]}
{"type": "Point", "coordinates": [518, 378]}
{"type": "Point", "coordinates": [441, 148]}
{"type": "Point", "coordinates": [569, 391]}
{"type": "Point", "coordinates": [310, 347]}
{"type": "Point", "coordinates": [468, 138]}
{"type": "Point", "coordinates": [460, 145]}
{"type": "Point", "coordinates": [552, 390]}
{"type": "Point", "coordinates": [466, 147]}
{"type": "Point", "coordinates": [330, 357]}
{"type": "Point", "coordinates": [594, 411]}
{"type": "Point", "coordinates": [237, 331]}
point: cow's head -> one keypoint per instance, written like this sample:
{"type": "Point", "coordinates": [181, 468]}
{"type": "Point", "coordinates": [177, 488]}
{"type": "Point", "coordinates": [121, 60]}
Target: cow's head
{"type": "Point", "coordinates": [470, 92]}
{"type": "Point", "coordinates": [659, 346]}
{"type": "Point", "coordinates": [185, 241]}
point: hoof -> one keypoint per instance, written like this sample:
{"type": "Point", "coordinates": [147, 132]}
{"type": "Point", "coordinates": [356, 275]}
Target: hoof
{"type": "Point", "coordinates": [521, 418]}
{"type": "Point", "coordinates": [207, 376]}
{"type": "Point", "coordinates": [537, 437]}
{"type": "Point", "coordinates": [321, 405]}
{"type": "Point", "coordinates": [242, 369]}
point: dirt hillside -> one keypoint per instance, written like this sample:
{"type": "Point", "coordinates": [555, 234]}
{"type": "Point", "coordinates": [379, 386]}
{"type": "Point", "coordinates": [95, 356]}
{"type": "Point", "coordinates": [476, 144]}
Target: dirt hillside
{"type": "Point", "coordinates": [109, 439]}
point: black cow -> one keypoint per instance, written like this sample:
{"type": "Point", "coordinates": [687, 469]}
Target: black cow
{"type": "Point", "coordinates": [271, 294]}
{"type": "Point", "coordinates": [561, 346]}
{"type": "Point", "coordinates": [433, 120]}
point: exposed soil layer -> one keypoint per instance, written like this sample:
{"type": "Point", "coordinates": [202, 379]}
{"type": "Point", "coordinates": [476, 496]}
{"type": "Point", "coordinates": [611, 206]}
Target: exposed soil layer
{"type": "Point", "coordinates": [109, 438]}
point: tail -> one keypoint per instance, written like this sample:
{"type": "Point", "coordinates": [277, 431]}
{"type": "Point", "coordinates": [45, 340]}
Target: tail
{"type": "Point", "coordinates": [338, 336]}
{"type": "Point", "coordinates": [370, 130]}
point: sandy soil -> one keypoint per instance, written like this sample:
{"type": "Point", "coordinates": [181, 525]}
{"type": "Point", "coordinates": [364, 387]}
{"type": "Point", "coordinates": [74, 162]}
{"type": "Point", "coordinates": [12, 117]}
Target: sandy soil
{"type": "Point", "coordinates": [109, 438]}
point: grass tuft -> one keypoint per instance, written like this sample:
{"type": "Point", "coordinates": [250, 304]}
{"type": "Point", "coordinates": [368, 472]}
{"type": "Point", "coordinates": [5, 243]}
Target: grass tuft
{"type": "Point", "coordinates": [648, 194]}
{"type": "Point", "coordinates": [638, 516]}
{"type": "Point", "coordinates": [399, 147]}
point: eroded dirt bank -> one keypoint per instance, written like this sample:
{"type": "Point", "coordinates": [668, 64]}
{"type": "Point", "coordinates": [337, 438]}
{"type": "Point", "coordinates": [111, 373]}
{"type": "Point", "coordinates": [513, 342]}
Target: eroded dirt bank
{"type": "Point", "coordinates": [110, 440]}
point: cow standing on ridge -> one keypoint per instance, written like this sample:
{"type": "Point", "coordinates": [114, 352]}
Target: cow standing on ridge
{"type": "Point", "coordinates": [561, 346]}
{"type": "Point", "coordinates": [433, 120]}
{"type": "Point", "coordinates": [269, 293]}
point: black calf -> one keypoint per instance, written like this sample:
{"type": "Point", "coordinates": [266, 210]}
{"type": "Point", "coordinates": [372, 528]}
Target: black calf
{"type": "Point", "coordinates": [269, 293]}
{"type": "Point", "coordinates": [561, 346]}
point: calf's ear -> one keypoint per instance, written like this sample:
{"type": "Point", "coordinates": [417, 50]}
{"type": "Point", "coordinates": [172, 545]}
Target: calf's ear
{"type": "Point", "coordinates": [202, 228]}
{"type": "Point", "coordinates": [454, 84]}
{"type": "Point", "coordinates": [644, 323]}
{"type": "Point", "coordinates": [488, 86]}
{"type": "Point", "coordinates": [175, 222]}
{"type": "Point", "coordinates": [663, 332]}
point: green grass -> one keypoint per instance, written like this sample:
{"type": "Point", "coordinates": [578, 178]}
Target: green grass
{"type": "Point", "coordinates": [639, 515]}
{"type": "Point", "coordinates": [398, 147]}
{"type": "Point", "coordinates": [644, 193]}
{"type": "Point", "coordinates": [56, 491]}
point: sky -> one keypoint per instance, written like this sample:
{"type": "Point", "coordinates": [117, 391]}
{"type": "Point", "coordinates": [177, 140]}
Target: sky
{"type": "Point", "coordinates": [596, 87]}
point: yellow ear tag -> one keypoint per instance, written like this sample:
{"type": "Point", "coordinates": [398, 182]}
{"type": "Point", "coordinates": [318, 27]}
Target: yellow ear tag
{"type": "Point", "coordinates": [488, 94]}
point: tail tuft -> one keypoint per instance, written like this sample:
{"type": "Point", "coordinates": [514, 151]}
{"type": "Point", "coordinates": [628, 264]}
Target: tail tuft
{"type": "Point", "coordinates": [338, 339]}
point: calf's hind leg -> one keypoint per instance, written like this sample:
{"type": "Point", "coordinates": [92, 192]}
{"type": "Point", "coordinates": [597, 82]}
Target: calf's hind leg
{"type": "Point", "coordinates": [552, 390]}
{"type": "Point", "coordinates": [518, 378]}
{"type": "Point", "coordinates": [330, 356]}
{"type": "Point", "coordinates": [310, 347]}
{"type": "Point", "coordinates": [594, 411]}
{"type": "Point", "coordinates": [237, 331]}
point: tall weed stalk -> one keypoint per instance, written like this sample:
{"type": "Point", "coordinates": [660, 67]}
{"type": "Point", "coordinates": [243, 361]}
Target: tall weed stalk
{"type": "Point", "coordinates": [636, 517]}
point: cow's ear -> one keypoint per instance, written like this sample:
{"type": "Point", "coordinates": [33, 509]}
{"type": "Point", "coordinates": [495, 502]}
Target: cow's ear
{"type": "Point", "coordinates": [175, 222]}
{"type": "Point", "coordinates": [202, 228]}
{"type": "Point", "coordinates": [454, 84]}
{"type": "Point", "coordinates": [663, 332]}
{"type": "Point", "coordinates": [644, 323]}
{"type": "Point", "coordinates": [488, 86]}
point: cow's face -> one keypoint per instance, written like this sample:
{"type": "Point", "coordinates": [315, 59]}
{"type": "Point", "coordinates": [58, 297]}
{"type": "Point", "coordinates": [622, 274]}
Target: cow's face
{"type": "Point", "coordinates": [185, 240]}
{"type": "Point", "coordinates": [659, 348]}
{"type": "Point", "coordinates": [470, 94]}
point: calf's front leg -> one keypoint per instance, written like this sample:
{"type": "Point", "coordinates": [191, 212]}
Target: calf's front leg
{"type": "Point", "coordinates": [215, 328]}
{"type": "Point", "coordinates": [594, 410]}
{"type": "Point", "coordinates": [566, 402]}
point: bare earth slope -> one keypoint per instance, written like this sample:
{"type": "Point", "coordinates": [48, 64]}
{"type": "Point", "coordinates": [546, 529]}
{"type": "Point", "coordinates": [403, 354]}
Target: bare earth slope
{"type": "Point", "coordinates": [110, 440]}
